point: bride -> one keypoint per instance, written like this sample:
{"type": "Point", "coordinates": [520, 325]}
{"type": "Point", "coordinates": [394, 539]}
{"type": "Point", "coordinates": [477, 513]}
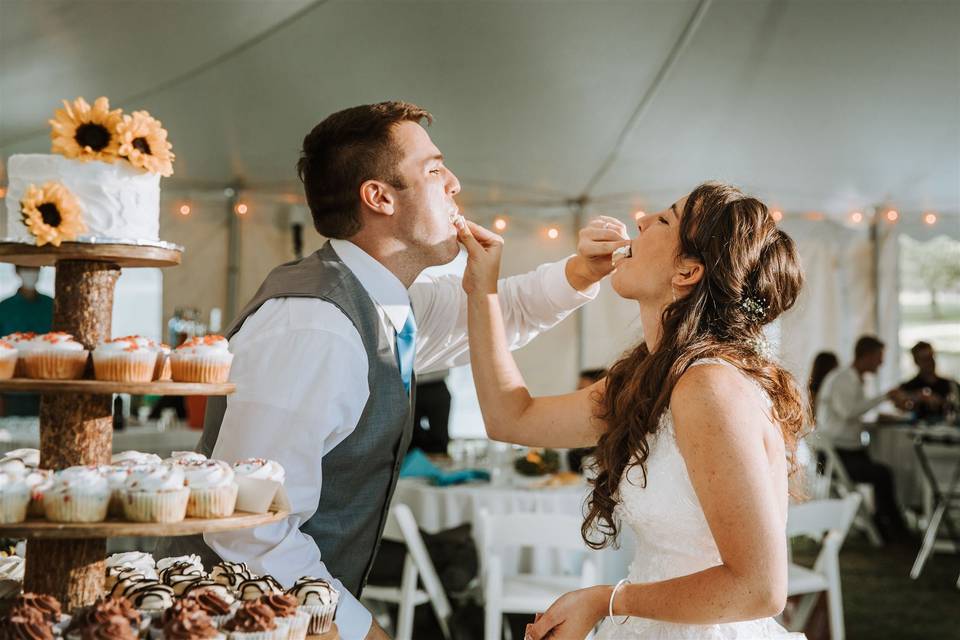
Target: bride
{"type": "Point", "coordinates": [694, 428]}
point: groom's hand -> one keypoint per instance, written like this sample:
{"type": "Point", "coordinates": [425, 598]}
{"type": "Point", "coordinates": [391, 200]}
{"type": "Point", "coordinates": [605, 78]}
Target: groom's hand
{"type": "Point", "coordinates": [595, 248]}
{"type": "Point", "coordinates": [483, 258]}
{"type": "Point", "coordinates": [376, 632]}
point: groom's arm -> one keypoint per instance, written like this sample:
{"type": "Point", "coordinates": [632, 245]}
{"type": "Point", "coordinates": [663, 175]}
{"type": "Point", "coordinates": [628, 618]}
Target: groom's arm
{"type": "Point", "coordinates": [532, 303]}
{"type": "Point", "coordinates": [301, 376]}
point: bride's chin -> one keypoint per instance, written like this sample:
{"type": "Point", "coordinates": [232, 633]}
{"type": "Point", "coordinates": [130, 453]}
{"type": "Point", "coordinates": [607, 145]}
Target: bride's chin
{"type": "Point", "coordinates": [621, 286]}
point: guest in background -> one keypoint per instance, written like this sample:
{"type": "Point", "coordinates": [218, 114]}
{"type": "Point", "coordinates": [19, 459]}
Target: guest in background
{"type": "Point", "coordinates": [823, 364]}
{"type": "Point", "coordinates": [432, 414]}
{"type": "Point", "coordinates": [928, 393]}
{"type": "Point", "coordinates": [26, 310]}
{"type": "Point", "coordinates": [575, 456]}
{"type": "Point", "coordinates": [841, 403]}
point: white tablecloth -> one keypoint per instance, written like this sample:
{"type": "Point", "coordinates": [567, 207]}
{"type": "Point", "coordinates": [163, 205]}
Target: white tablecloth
{"type": "Point", "coordinates": [892, 445]}
{"type": "Point", "coordinates": [438, 508]}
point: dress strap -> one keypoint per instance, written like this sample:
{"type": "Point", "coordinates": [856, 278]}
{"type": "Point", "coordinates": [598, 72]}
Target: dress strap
{"type": "Point", "coordinates": [712, 361]}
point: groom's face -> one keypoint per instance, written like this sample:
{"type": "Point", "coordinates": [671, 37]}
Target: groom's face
{"type": "Point", "coordinates": [425, 206]}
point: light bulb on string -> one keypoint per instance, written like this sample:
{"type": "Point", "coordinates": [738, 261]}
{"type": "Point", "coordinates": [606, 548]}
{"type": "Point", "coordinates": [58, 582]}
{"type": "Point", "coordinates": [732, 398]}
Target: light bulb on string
{"type": "Point", "coordinates": [892, 215]}
{"type": "Point", "coordinates": [639, 214]}
{"type": "Point", "coordinates": [856, 217]}
{"type": "Point", "coordinates": [553, 233]}
{"type": "Point", "coordinates": [500, 224]}
{"type": "Point", "coordinates": [242, 208]}
{"type": "Point", "coordinates": [184, 209]}
{"type": "Point", "coordinates": [3, 192]}
{"type": "Point", "coordinates": [777, 215]}
{"type": "Point", "coordinates": [930, 218]}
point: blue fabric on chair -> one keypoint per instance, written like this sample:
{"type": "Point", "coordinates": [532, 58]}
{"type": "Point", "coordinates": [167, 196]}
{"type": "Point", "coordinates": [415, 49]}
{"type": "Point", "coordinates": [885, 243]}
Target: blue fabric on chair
{"type": "Point", "coordinates": [417, 465]}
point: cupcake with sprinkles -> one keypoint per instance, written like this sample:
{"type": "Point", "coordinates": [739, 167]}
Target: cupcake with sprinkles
{"type": "Point", "coordinates": [53, 356]}
{"type": "Point", "coordinates": [8, 360]}
{"type": "Point", "coordinates": [126, 359]}
{"type": "Point", "coordinates": [203, 359]}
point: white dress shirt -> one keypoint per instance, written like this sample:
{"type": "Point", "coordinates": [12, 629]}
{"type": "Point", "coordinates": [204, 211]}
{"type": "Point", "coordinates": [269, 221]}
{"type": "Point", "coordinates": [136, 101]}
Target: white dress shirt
{"type": "Point", "coordinates": [840, 404]}
{"type": "Point", "coordinates": [301, 374]}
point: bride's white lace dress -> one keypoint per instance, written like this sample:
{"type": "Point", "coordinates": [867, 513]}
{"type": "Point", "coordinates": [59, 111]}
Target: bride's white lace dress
{"type": "Point", "coordinates": [673, 539]}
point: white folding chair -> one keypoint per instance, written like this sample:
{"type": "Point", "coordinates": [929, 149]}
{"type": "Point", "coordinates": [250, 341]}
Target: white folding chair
{"type": "Point", "coordinates": [402, 527]}
{"type": "Point", "coordinates": [840, 484]}
{"type": "Point", "coordinates": [526, 593]}
{"type": "Point", "coordinates": [828, 522]}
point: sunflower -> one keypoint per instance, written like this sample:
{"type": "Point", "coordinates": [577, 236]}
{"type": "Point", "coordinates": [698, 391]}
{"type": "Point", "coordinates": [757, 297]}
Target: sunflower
{"type": "Point", "coordinates": [84, 132]}
{"type": "Point", "coordinates": [51, 213]}
{"type": "Point", "coordinates": [143, 141]}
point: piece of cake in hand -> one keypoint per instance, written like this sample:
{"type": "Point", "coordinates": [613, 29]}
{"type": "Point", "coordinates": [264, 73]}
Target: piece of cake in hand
{"type": "Point", "coordinates": [77, 494]}
{"type": "Point", "coordinates": [8, 360]}
{"type": "Point", "coordinates": [213, 491]}
{"type": "Point", "coordinates": [156, 493]}
{"type": "Point", "coordinates": [126, 359]}
{"type": "Point", "coordinates": [53, 356]}
{"type": "Point", "coordinates": [319, 599]}
{"type": "Point", "coordinates": [203, 359]}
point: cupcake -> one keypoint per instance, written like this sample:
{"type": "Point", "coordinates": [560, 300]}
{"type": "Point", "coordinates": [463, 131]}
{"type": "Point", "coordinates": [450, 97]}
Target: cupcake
{"type": "Point", "coordinates": [38, 481]}
{"type": "Point", "coordinates": [28, 624]}
{"type": "Point", "coordinates": [186, 623]}
{"type": "Point", "coordinates": [213, 492]}
{"type": "Point", "coordinates": [139, 561]}
{"type": "Point", "coordinates": [116, 476]}
{"type": "Point", "coordinates": [202, 359]}
{"type": "Point", "coordinates": [77, 494]}
{"type": "Point", "coordinates": [161, 371]}
{"type": "Point", "coordinates": [14, 498]}
{"type": "Point", "coordinates": [127, 359]}
{"type": "Point", "coordinates": [158, 621]}
{"type": "Point", "coordinates": [15, 339]}
{"type": "Point", "coordinates": [29, 457]}
{"type": "Point", "coordinates": [53, 356]}
{"type": "Point", "coordinates": [319, 600]}
{"type": "Point", "coordinates": [8, 360]}
{"type": "Point", "coordinates": [253, 621]}
{"type": "Point", "coordinates": [113, 628]}
{"type": "Point", "coordinates": [254, 588]}
{"type": "Point", "coordinates": [287, 610]}
{"type": "Point", "coordinates": [132, 458]}
{"type": "Point", "coordinates": [155, 493]}
{"type": "Point", "coordinates": [11, 576]}
{"type": "Point", "coordinates": [46, 607]}
{"type": "Point", "coordinates": [214, 599]}
{"type": "Point", "coordinates": [120, 574]}
{"type": "Point", "coordinates": [149, 597]}
{"type": "Point", "coordinates": [185, 457]}
{"type": "Point", "coordinates": [93, 617]}
{"type": "Point", "coordinates": [260, 468]}
{"type": "Point", "coordinates": [179, 564]}
{"type": "Point", "coordinates": [230, 574]}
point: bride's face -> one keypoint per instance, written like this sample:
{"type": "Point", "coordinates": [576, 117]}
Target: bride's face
{"type": "Point", "coordinates": [646, 275]}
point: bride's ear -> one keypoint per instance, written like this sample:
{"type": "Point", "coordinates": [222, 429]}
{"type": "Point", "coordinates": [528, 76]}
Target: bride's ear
{"type": "Point", "coordinates": [688, 274]}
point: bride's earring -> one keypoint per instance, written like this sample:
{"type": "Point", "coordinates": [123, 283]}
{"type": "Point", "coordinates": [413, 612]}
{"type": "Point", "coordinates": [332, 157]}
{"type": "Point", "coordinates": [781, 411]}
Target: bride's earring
{"type": "Point", "coordinates": [673, 292]}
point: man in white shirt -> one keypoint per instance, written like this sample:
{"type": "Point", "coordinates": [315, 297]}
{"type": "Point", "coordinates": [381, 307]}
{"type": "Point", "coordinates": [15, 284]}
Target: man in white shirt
{"type": "Point", "coordinates": [323, 356]}
{"type": "Point", "coordinates": [841, 404]}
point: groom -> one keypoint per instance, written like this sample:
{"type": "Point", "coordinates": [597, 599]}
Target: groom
{"type": "Point", "coordinates": [326, 353]}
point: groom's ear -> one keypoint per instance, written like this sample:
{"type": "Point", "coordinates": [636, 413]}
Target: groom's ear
{"type": "Point", "coordinates": [378, 197]}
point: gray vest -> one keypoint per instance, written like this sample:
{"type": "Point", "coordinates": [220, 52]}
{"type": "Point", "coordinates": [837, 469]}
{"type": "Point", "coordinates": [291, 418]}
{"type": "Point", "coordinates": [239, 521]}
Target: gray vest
{"type": "Point", "coordinates": [359, 474]}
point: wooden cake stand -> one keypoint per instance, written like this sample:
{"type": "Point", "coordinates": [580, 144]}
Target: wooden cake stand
{"type": "Point", "coordinates": [76, 426]}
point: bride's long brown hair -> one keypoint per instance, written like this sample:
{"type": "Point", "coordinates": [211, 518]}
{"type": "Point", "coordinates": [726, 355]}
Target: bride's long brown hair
{"type": "Point", "coordinates": [751, 275]}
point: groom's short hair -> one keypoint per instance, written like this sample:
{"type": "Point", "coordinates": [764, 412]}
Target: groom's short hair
{"type": "Point", "coordinates": [345, 150]}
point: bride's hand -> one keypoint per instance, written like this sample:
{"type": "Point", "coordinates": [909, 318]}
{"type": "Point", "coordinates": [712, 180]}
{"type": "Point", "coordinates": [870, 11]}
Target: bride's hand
{"type": "Point", "coordinates": [571, 617]}
{"type": "Point", "coordinates": [483, 258]}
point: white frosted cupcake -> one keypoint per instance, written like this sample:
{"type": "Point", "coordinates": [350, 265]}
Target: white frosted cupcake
{"type": "Point", "coordinates": [134, 458]}
{"type": "Point", "coordinates": [192, 560]}
{"type": "Point", "coordinates": [156, 493]}
{"type": "Point", "coordinates": [260, 468]}
{"type": "Point", "coordinates": [161, 370]}
{"type": "Point", "coordinates": [151, 597]}
{"type": "Point", "coordinates": [126, 359]}
{"type": "Point", "coordinates": [319, 599]}
{"type": "Point", "coordinates": [230, 574]}
{"type": "Point", "coordinates": [213, 492]}
{"type": "Point", "coordinates": [116, 476]}
{"type": "Point", "coordinates": [142, 563]}
{"type": "Point", "coordinates": [11, 576]}
{"type": "Point", "coordinates": [15, 339]}
{"type": "Point", "coordinates": [259, 586]}
{"type": "Point", "coordinates": [29, 457]}
{"type": "Point", "coordinates": [8, 360]}
{"type": "Point", "coordinates": [53, 356]}
{"type": "Point", "coordinates": [38, 481]}
{"type": "Point", "coordinates": [203, 359]}
{"type": "Point", "coordinates": [14, 498]}
{"type": "Point", "coordinates": [77, 494]}
{"type": "Point", "coordinates": [185, 457]}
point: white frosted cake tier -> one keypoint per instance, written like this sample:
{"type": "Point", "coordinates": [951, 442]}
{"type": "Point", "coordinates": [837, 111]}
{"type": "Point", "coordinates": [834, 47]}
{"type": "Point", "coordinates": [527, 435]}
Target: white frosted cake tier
{"type": "Point", "coordinates": [116, 200]}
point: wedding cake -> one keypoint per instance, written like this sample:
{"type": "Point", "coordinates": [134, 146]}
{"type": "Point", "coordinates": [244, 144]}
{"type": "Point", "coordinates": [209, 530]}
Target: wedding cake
{"type": "Point", "coordinates": [100, 184]}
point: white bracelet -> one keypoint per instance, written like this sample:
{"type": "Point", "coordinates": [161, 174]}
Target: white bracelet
{"type": "Point", "coordinates": [614, 595]}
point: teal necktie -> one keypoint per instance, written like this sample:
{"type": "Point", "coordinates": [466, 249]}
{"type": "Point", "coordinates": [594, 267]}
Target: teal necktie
{"type": "Point", "coordinates": [407, 349]}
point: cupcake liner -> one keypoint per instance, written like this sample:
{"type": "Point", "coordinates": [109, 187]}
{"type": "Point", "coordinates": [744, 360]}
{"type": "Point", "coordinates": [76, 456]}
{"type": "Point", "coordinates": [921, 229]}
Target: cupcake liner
{"type": "Point", "coordinates": [299, 624]}
{"type": "Point", "coordinates": [218, 502]}
{"type": "Point", "coordinates": [253, 635]}
{"type": "Point", "coordinates": [115, 509]}
{"type": "Point", "coordinates": [129, 367]}
{"type": "Point", "coordinates": [55, 365]}
{"type": "Point", "coordinates": [35, 508]}
{"type": "Point", "coordinates": [156, 506]}
{"type": "Point", "coordinates": [75, 507]}
{"type": "Point", "coordinates": [199, 369]}
{"type": "Point", "coordinates": [13, 506]}
{"type": "Point", "coordinates": [321, 617]}
{"type": "Point", "coordinates": [161, 369]}
{"type": "Point", "coordinates": [7, 366]}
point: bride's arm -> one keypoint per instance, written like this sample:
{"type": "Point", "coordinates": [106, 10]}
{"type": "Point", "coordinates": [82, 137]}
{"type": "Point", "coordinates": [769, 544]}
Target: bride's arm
{"type": "Point", "coordinates": [510, 413]}
{"type": "Point", "coordinates": [719, 425]}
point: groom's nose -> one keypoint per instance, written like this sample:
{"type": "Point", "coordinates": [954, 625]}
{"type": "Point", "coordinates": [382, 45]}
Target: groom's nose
{"type": "Point", "coordinates": [453, 184]}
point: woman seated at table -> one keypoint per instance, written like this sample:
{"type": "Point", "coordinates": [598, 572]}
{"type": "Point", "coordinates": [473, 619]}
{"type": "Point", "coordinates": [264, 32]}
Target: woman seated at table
{"type": "Point", "coordinates": [693, 427]}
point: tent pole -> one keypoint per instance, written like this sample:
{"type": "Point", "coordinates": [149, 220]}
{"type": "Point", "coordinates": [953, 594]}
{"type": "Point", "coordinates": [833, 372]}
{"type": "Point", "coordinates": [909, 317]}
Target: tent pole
{"type": "Point", "coordinates": [233, 253]}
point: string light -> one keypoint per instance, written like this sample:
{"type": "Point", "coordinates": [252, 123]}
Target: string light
{"type": "Point", "coordinates": [639, 214]}
{"type": "Point", "coordinates": [777, 215]}
{"type": "Point", "coordinates": [814, 215]}
{"type": "Point", "coordinates": [184, 209]}
{"type": "Point", "coordinates": [856, 217]}
{"type": "Point", "coordinates": [242, 208]}
{"type": "Point", "coordinates": [892, 215]}
{"type": "Point", "coordinates": [553, 233]}
{"type": "Point", "coordinates": [930, 218]}
{"type": "Point", "coordinates": [500, 224]}
{"type": "Point", "coordinates": [3, 192]}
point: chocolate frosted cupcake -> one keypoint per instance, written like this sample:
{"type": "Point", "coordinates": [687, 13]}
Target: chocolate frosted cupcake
{"type": "Point", "coordinates": [319, 599]}
{"type": "Point", "coordinates": [47, 606]}
{"type": "Point", "coordinates": [287, 610]}
{"type": "Point", "coordinates": [113, 628]}
{"type": "Point", "coordinates": [253, 621]}
{"type": "Point", "coordinates": [157, 622]}
{"type": "Point", "coordinates": [100, 612]}
{"type": "Point", "coordinates": [26, 624]}
{"type": "Point", "coordinates": [230, 574]}
{"type": "Point", "coordinates": [191, 624]}
{"type": "Point", "coordinates": [214, 600]}
{"type": "Point", "coordinates": [254, 588]}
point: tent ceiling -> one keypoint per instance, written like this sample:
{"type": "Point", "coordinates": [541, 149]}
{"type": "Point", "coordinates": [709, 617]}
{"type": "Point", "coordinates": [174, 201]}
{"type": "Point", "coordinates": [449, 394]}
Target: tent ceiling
{"type": "Point", "coordinates": [814, 105]}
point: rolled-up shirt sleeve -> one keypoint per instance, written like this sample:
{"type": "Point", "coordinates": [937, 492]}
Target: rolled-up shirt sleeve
{"type": "Point", "coordinates": [301, 376]}
{"type": "Point", "coordinates": [532, 303]}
